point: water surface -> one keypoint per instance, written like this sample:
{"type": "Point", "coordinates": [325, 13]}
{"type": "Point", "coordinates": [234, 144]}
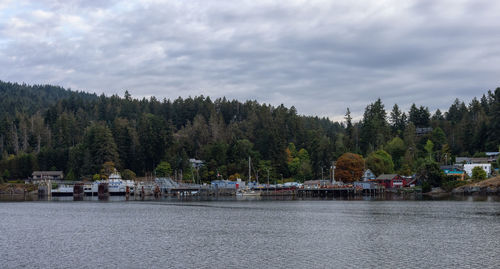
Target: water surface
{"type": "Point", "coordinates": [250, 234]}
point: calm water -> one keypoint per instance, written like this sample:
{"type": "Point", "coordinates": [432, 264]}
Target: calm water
{"type": "Point", "coordinates": [250, 234]}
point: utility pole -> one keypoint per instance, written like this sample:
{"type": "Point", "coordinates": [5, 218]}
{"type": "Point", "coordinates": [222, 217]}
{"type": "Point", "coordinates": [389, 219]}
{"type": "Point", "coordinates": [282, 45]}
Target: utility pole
{"type": "Point", "coordinates": [192, 175]}
{"type": "Point", "coordinates": [267, 180]}
{"type": "Point", "coordinates": [333, 172]}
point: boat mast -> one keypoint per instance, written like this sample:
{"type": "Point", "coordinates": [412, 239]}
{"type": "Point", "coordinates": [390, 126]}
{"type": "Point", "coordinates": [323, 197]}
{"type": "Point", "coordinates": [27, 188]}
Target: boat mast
{"type": "Point", "coordinates": [249, 170]}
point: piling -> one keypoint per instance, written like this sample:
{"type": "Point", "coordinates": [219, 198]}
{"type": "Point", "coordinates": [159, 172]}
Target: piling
{"type": "Point", "coordinates": [103, 191]}
{"type": "Point", "coordinates": [78, 191]}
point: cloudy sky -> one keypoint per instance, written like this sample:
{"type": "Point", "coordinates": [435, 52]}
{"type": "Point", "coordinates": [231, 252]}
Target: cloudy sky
{"type": "Point", "coordinates": [319, 56]}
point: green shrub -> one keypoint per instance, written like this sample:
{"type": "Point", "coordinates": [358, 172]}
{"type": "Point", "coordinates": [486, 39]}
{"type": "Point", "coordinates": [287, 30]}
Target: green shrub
{"type": "Point", "coordinates": [450, 185]}
{"type": "Point", "coordinates": [426, 187]}
{"type": "Point", "coordinates": [478, 173]}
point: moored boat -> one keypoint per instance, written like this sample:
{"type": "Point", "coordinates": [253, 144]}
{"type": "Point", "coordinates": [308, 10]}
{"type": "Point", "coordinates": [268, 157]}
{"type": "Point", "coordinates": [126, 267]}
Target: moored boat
{"type": "Point", "coordinates": [63, 190]}
{"type": "Point", "coordinates": [116, 186]}
{"type": "Point", "coordinates": [248, 192]}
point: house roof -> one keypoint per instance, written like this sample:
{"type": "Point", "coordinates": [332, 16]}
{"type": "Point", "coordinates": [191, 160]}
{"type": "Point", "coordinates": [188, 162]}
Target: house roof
{"type": "Point", "coordinates": [451, 167]}
{"type": "Point", "coordinates": [368, 171]}
{"type": "Point", "coordinates": [471, 160]}
{"type": "Point", "coordinates": [386, 176]}
{"type": "Point", "coordinates": [47, 173]}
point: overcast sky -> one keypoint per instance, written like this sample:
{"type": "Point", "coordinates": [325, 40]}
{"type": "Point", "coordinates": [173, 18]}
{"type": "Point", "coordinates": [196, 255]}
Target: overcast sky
{"type": "Point", "coordinates": [319, 56]}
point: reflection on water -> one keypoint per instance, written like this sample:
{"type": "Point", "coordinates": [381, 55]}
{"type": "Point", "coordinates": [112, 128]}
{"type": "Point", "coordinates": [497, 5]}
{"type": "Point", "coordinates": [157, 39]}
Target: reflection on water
{"type": "Point", "coordinates": [460, 232]}
{"type": "Point", "coordinates": [385, 197]}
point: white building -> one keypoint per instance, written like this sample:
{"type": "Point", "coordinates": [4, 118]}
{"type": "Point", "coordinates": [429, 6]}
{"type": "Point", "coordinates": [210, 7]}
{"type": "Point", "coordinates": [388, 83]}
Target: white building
{"type": "Point", "coordinates": [486, 167]}
{"type": "Point", "coordinates": [368, 174]}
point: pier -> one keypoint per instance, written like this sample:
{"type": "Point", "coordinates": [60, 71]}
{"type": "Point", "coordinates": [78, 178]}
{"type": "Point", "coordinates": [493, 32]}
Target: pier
{"type": "Point", "coordinates": [170, 188]}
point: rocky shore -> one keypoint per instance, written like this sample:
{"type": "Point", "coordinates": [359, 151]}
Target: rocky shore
{"type": "Point", "coordinates": [18, 188]}
{"type": "Point", "coordinates": [488, 186]}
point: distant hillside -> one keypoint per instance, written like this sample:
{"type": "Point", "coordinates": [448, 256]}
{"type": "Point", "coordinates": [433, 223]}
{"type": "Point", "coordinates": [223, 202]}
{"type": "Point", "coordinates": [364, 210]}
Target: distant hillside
{"type": "Point", "coordinates": [48, 127]}
{"type": "Point", "coordinates": [28, 99]}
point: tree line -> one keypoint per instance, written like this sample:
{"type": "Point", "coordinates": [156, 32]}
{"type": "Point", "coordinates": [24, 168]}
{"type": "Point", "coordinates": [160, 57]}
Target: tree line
{"type": "Point", "coordinates": [45, 127]}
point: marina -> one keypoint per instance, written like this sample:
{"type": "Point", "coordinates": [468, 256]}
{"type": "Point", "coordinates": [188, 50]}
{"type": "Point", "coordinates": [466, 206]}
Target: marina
{"type": "Point", "coordinates": [161, 188]}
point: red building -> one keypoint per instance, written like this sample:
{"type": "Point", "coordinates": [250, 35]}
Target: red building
{"type": "Point", "coordinates": [390, 181]}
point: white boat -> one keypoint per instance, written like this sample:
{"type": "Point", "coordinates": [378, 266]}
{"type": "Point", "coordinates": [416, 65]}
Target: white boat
{"type": "Point", "coordinates": [247, 192]}
{"type": "Point", "coordinates": [88, 189]}
{"type": "Point", "coordinates": [251, 193]}
{"type": "Point", "coordinates": [116, 186]}
{"type": "Point", "coordinates": [63, 190]}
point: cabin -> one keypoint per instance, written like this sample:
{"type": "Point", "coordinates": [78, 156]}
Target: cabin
{"type": "Point", "coordinates": [47, 175]}
{"type": "Point", "coordinates": [492, 156]}
{"type": "Point", "coordinates": [390, 181]}
{"type": "Point", "coordinates": [368, 175]}
{"type": "Point", "coordinates": [196, 164]}
{"type": "Point", "coordinates": [420, 131]}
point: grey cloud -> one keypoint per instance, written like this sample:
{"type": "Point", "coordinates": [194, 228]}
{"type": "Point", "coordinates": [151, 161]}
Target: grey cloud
{"type": "Point", "coordinates": [320, 58]}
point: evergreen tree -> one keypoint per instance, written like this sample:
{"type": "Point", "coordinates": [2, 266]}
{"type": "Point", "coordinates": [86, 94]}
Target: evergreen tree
{"type": "Point", "coordinates": [494, 133]}
{"type": "Point", "coordinates": [349, 132]}
{"type": "Point", "coordinates": [99, 140]}
{"type": "Point", "coordinates": [398, 120]}
{"type": "Point", "coordinates": [374, 128]}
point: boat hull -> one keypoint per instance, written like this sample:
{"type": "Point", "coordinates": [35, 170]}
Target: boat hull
{"type": "Point", "coordinates": [60, 194]}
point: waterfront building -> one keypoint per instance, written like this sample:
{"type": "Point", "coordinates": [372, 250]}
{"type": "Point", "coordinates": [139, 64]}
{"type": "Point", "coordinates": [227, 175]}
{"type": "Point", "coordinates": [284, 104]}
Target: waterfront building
{"type": "Point", "coordinates": [368, 175]}
{"type": "Point", "coordinates": [365, 185]}
{"type": "Point", "coordinates": [390, 181]}
{"type": "Point", "coordinates": [485, 166]}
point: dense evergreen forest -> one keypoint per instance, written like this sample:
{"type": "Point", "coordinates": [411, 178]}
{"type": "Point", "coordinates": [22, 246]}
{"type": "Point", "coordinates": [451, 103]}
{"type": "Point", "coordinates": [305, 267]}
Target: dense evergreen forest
{"type": "Point", "coordinates": [50, 128]}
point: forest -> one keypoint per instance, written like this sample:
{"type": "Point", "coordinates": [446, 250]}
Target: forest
{"type": "Point", "coordinates": [44, 127]}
